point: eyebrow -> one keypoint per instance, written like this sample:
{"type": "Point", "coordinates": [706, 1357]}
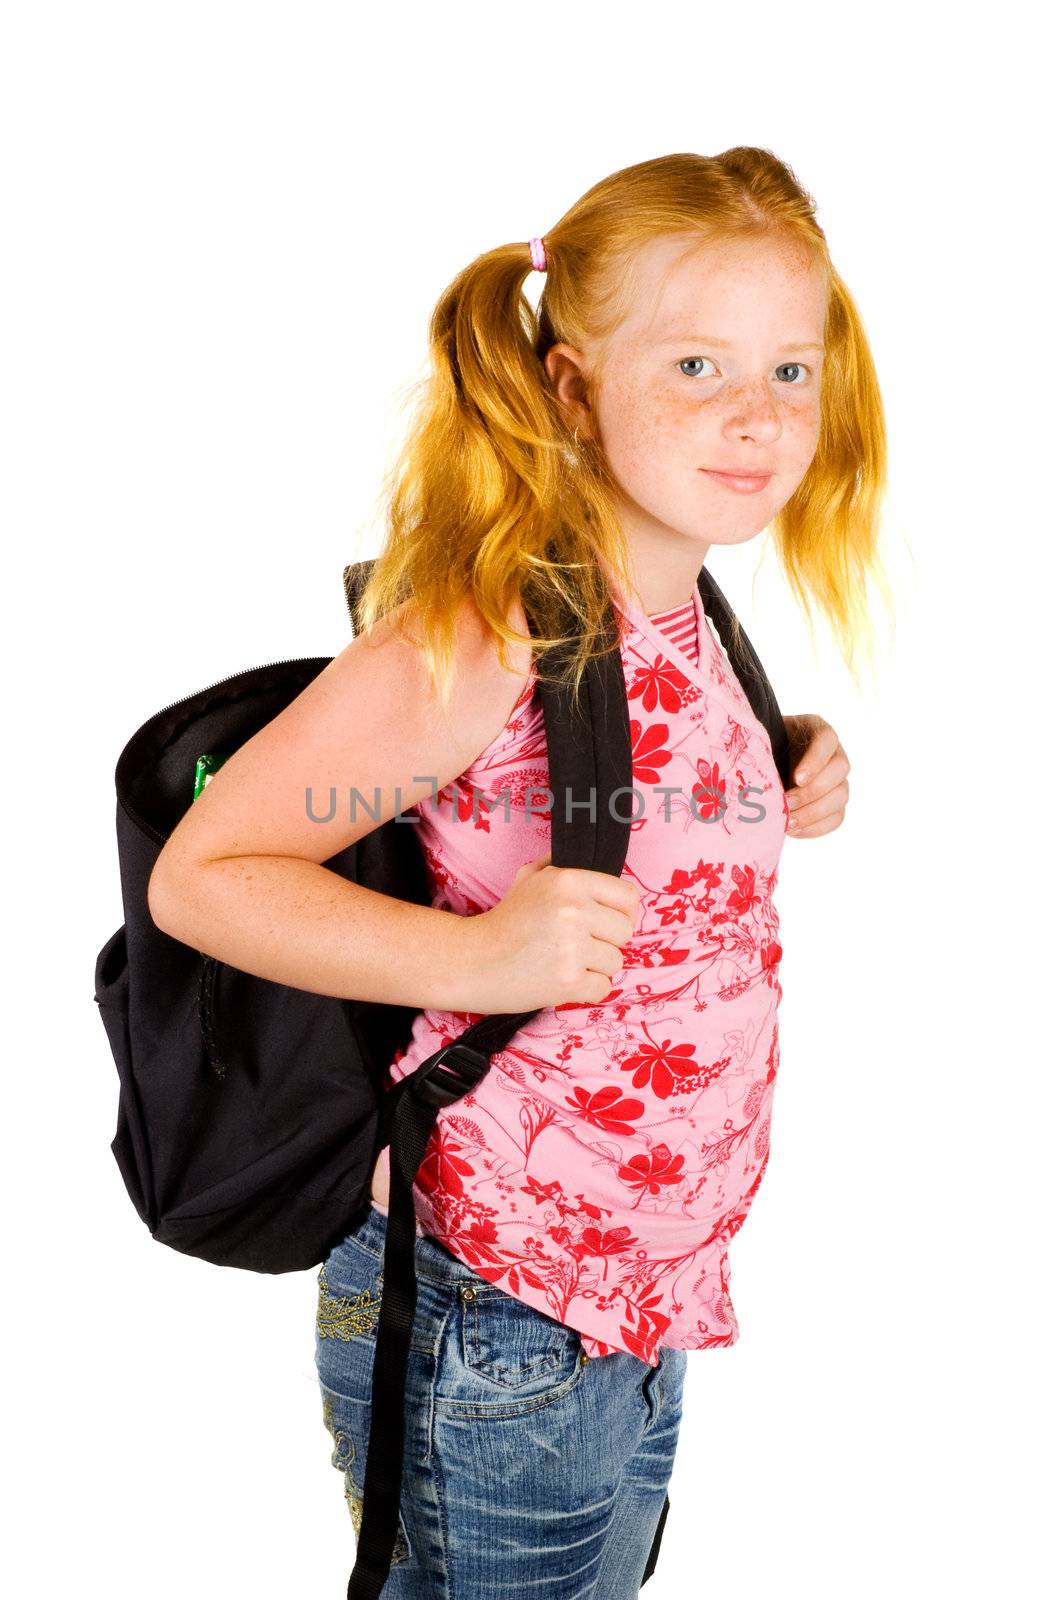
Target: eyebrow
{"type": "Point", "coordinates": [727, 344]}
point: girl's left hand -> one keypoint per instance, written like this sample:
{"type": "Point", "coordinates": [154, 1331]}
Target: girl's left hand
{"type": "Point", "coordinates": [817, 804]}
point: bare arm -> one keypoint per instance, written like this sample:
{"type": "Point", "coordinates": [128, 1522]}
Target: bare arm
{"type": "Point", "coordinates": [241, 876]}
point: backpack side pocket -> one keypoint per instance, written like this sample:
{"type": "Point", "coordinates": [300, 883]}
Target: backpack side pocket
{"type": "Point", "coordinates": [129, 1145]}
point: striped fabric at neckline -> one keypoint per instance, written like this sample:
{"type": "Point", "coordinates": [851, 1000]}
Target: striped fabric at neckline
{"type": "Point", "coordinates": [680, 626]}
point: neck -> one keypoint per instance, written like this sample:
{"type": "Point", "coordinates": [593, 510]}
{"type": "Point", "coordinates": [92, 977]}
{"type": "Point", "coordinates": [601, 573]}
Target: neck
{"type": "Point", "coordinates": [664, 564]}
{"type": "Point", "coordinates": [665, 568]}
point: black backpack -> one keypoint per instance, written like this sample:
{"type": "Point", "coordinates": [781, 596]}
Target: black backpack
{"type": "Point", "coordinates": [250, 1113]}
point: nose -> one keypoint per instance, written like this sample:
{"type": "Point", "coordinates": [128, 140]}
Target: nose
{"type": "Point", "coordinates": [754, 413]}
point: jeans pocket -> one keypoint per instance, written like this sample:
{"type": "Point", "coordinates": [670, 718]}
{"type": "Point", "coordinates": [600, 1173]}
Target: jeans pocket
{"type": "Point", "coordinates": [511, 1344]}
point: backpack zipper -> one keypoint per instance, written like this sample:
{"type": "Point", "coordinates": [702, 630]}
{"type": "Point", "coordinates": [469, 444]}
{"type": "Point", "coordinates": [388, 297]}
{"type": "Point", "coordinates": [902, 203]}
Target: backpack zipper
{"type": "Point", "coordinates": [291, 662]}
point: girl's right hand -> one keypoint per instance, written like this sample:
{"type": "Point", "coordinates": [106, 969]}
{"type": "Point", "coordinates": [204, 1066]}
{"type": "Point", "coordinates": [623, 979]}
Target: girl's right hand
{"type": "Point", "coordinates": [555, 938]}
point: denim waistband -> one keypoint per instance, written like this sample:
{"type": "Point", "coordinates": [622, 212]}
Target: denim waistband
{"type": "Point", "coordinates": [431, 1258]}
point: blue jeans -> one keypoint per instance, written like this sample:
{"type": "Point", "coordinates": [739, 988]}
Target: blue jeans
{"type": "Point", "coordinates": [529, 1469]}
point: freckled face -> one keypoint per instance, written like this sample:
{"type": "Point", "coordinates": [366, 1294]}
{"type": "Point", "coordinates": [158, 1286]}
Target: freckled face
{"type": "Point", "coordinates": [706, 372]}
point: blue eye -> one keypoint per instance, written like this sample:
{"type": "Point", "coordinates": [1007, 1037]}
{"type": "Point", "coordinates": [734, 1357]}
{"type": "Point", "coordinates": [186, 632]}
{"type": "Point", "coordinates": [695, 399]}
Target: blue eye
{"type": "Point", "coordinates": [790, 366]}
{"type": "Point", "coordinates": [685, 362]}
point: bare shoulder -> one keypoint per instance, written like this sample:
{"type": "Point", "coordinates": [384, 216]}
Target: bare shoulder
{"type": "Point", "coordinates": [471, 630]}
{"type": "Point", "coordinates": [481, 681]}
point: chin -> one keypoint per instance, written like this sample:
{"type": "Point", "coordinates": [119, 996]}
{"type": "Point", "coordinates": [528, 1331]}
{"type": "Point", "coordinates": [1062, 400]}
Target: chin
{"type": "Point", "coordinates": [735, 535]}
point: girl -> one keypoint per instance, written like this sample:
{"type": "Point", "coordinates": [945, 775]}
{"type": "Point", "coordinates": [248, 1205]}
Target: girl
{"type": "Point", "coordinates": [695, 371]}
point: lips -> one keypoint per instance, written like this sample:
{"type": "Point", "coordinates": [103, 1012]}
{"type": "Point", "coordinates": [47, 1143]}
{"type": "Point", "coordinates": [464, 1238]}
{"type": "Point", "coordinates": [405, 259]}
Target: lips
{"type": "Point", "coordinates": [744, 482]}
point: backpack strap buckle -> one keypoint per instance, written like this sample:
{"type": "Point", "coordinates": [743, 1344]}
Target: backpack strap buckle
{"type": "Point", "coordinates": [448, 1075]}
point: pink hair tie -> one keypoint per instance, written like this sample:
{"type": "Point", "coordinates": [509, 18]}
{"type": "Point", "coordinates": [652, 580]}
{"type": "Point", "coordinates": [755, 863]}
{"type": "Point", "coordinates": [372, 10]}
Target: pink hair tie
{"type": "Point", "coordinates": [539, 255]}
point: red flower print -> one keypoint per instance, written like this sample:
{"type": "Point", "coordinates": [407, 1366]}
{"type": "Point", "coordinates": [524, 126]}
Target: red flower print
{"type": "Point", "coordinates": [704, 873]}
{"type": "Point", "coordinates": [709, 798]}
{"type": "Point", "coordinates": [742, 898]}
{"type": "Point", "coordinates": [443, 1167]}
{"type": "Point", "coordinates": [610, 1242]}
{"type": "Point", "coordinates": [606, 1108]}
{"type": "Point", "coordinates": [649, 1325]}
{"type": "Point", "coordinates": [677, 912]}
{"type": "Point", "coordinates": [752, 1103]}
{"type": "Point", "coordinates": [650, 751]}
{"type": "Point", "coordinates": [479, 1253]}
{"type": "Point", "coordinates": [773, 1053]}
{"type": "Point", "coordinates": [462, 800]}
{"type": "Point", "coordinates": [735, 741]}
{"type": "Point", "coordinates": [441, 877]}
{"type": "Point", "coordinates": [529, 792]}
{"type": "Point", "coordinates": [541, 1191]}
{"type": "Point", "coordinates": [650, 1172]}
{"type": "Point", "coordinates": [660, 1067]}
{"type": "Point", "coordinates": [673, 957]}
{"type": "Point", "coordinates": [662, 683]}
{"type": "Point", "coordinates": [770, 955]}
{"type": "Point", "coordinates": [481, 1232]}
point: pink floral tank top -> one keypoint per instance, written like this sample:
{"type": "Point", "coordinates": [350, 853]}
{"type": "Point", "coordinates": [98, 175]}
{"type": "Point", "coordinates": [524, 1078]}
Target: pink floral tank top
{"type": "Point", "coordinates": [603, 1167]}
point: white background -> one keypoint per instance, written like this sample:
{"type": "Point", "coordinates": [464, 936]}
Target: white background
{"type": "Point", "coordinates": [226, 225]}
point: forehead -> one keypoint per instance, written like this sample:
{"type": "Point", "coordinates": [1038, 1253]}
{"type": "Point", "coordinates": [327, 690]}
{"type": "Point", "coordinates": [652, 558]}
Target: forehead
{"type": "Point", "coordinates": [726, 288]}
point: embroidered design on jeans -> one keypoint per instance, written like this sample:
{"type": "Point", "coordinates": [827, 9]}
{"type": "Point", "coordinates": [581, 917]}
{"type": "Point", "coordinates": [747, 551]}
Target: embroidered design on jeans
{"type": "Point", "coordinates": [343, 1458]}
{"type": "Point", "coordinates": [346, 1316]}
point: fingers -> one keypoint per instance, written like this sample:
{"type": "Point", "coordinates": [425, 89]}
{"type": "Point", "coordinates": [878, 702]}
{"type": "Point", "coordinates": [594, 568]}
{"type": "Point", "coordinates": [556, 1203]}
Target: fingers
{"type": "Point", "coordinates": [825, 777]}
{"type": "Point", "coordinates": [813, 830]}
{"type": "Point", "coordinates": [822, 747]}
{"type": "Point", "coordinates": [822, 815]}
{"type": "Point", "coordinates": [818, 805]}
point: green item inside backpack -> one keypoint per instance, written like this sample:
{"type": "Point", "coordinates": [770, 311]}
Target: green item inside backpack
{"type": "Point", "coordinates": [206, 767]}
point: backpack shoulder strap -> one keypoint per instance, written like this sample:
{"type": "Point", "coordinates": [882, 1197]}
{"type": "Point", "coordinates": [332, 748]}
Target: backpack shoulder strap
{"type": "Point", "coordinates": [749, 671]}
